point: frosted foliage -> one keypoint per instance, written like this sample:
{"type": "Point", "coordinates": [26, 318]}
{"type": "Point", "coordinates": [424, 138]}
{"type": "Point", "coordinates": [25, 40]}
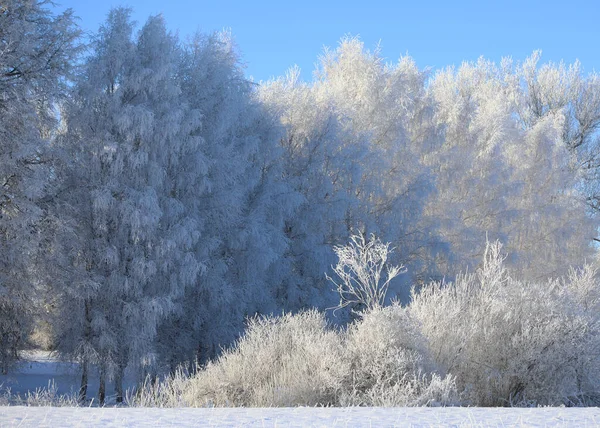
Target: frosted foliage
{"type": "Point", "coordinates": [359, 272]}
{"type": "Point", "coordinates": [431, 167]}
{"type": "Point", "coordinates": [36, 56]}
{"type": "Point", "coordinates": [156, 199]}
{"type": "Point", "coordinates": [285, 361]}
{"type": "Point", "coordinates": [127, 122]}
{"type": "Point", "coordinates": [239, 200]}
{"type": "Point", "coordinates": [391, 365]}
{"type": "Point", "coordinates": [296, 360]}
{"type": "Point", "coordinates": [348, 152]}
{"type": "Point", "coordinates": [321, 183]}
{"type": "Point", "coordinates": [387, 107]}
{"type": "Point", "coordinates": [500, 173]}
{"type": "Point", "coordinates": [513, 343]}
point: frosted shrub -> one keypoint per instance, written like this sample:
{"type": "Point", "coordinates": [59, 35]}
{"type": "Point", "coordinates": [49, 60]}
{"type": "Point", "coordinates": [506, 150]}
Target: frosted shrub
{"type": "Point", "coordinates": [293, 360]}
{"type": "Point", "coordinates": [49, 396]}
{"type": "Point", "coordinates": [581, 296]}
{"type": "Point", "coordinates": [360, 270]}
{"type": "Point", "coordinates": [40, 397]}
{"type": "Point", "coordinates": [155, 392]}
{"type": "Point", "coordinates": [390, 363]}
{"type": "Point", "coordinates": [486, 340]}
{"type": "Point", "coordinates": [512, 343]}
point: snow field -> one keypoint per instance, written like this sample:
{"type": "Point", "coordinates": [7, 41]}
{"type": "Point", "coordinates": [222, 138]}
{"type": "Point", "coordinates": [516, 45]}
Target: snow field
{"type": "Point", "coordinates": [300, 417]}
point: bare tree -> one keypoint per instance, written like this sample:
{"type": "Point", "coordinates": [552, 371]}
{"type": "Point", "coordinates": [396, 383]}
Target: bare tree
{"type": "Point", "coordinates": [359, 269]}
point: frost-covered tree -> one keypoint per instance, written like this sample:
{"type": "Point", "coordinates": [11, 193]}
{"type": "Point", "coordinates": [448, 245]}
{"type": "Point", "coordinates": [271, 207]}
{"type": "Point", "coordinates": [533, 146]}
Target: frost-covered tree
{"type": "Point", "coordinates": [239, 200]}
{"type": "Point", "coordinates": [323, 172]}
{"type": "Point", "coordinates": [388, 106]}
{"type": "Point", "coordinates": [354, 144]}
{"type": "Point", "coordinates": [37, 50]}
{"type": "Point", "coordinates": [135, 151]}
{"type": "Point", "coordinates": [495, 176]}
{"type": "Point", "coordinates": [550, 89]}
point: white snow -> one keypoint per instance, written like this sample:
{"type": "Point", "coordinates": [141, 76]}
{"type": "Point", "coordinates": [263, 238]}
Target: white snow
{"type": "Point", "coordinates": [300, 417]}
{"type": "Point", "coordinates": [37, 369]}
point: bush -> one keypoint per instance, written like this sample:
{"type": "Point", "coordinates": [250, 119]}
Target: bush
{"type": "Point", "coordinates": [512, 343]}
{"type": "Point", "coordinates": [296, 360]}
{"type": "Point", "coordinates": [41, 397]}
{"type": "Point", "coordinates": [156, 392]}
{"type": "Point", "coordinates": [359, 269]}
{"type": "Point", "coordinates": [293, 360]}
{"type": "Point", "coordinates": [390, 363]}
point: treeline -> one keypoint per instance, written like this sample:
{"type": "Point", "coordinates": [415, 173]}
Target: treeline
{"type": "Point", "coordinates": [153, 198]}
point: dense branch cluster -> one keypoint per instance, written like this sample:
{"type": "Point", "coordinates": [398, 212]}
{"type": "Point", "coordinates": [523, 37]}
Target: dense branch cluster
{"type": "Point", "coordinates": [152, 198]}
{"type": "Point", "coordinates": [359, 271]}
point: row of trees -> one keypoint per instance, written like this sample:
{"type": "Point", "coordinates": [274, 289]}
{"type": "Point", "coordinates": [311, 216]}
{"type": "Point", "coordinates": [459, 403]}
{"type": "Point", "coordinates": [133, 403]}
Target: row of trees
{"type": "Point", "coordinates": [153, 198]}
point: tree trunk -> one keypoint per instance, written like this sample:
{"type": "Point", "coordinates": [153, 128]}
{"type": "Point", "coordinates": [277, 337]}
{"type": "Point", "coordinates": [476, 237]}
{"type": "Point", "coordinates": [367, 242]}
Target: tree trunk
{"type": "Point", "coordinates": [102, 388]}
{"type": "Point", "coordinates": [120, 370]}
{"type": "Point", "coordinates": [87, 332]}
{"type": "Point", "coordinates": [84, 381]}
{"type": "Point", "coordinates": [119, 383]}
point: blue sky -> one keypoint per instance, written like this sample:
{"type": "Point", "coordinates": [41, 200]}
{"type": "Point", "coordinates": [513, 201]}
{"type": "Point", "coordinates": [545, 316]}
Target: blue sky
{"type": "Point", "coordinates": [275, 35]}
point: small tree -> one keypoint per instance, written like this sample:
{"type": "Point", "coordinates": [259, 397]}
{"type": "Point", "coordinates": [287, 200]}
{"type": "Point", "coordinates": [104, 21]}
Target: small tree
{"type": "Point", "coordinates": [359, 268]}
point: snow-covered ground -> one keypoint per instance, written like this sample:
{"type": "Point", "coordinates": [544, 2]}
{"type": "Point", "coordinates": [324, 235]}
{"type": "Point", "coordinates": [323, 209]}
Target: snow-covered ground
{"type": "Point", "coordinates": [36, 369]}
{"type": "Point", "coordinates": [299, 417]}
{"type": "Point", "coordinates": [39, 368]}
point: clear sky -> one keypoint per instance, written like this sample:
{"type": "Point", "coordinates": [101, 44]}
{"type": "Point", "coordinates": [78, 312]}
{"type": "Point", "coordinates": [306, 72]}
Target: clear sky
{"type": "Point", "coordinates": [275, 35]}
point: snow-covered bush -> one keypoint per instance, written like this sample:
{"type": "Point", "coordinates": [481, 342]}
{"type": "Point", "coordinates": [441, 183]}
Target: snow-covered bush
{"type": "Point", "coordinates": [296, 360]}
{"type": "Point", "coordinates": [581, 292]}
{"type": "Point", "coordinates": [390, 363]}
{"type": "Point", "coordinates": [507, 342]}
{"type": "Point", "coordinates": [40, 397]}
{"type": "Point", "coordinates": [156, 392]}
{"type": "Point", "coordinates": [292, 360]}
{"type": "Point", "coordinates": [359, 269]}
